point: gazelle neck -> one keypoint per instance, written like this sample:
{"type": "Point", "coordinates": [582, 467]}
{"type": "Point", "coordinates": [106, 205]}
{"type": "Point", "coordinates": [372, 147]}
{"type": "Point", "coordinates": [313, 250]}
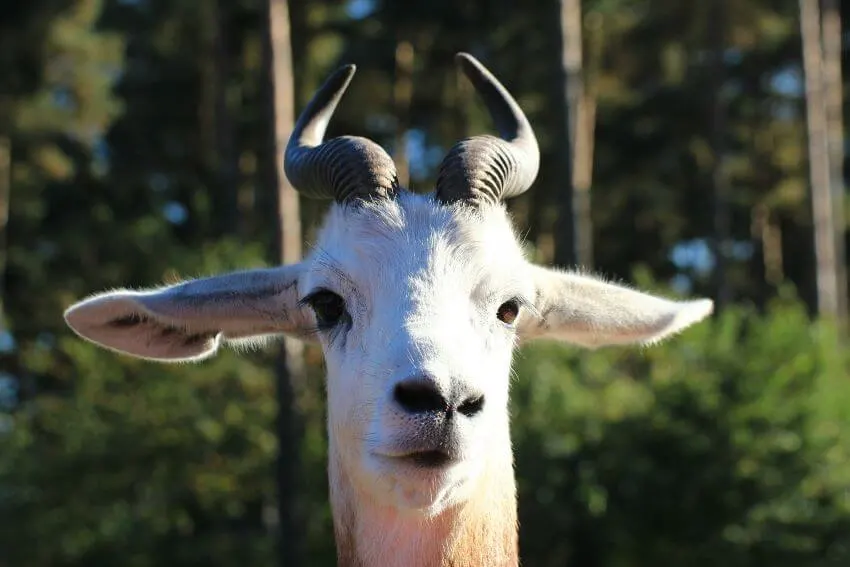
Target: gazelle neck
{"type": "Point", "coordinates": [481, 532]}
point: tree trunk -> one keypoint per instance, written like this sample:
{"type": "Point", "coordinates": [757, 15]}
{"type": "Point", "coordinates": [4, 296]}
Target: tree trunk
{"type": "Point", "coordinates": [572, 203]}
{"type": "Point", "coordinates": [767, 270]}
{"type": "Point", "coordinates": [403, 97]}
{"type": "Point", "coordinates": [819, 170]}
{"type": "Point", "coordinates": [284, 111]}
{"type": "Point", "coordinates": [290, 361]}
{"type": "Point", "coordinates": [835, 131]}
{"type": "Point", "coordinates": [585, 138]}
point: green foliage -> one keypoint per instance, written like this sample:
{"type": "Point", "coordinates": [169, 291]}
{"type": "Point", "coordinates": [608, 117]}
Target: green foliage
{"type": "Point", "coordinates": [727, 445]}
{"type": "Point", "coordinates": [152, 464]}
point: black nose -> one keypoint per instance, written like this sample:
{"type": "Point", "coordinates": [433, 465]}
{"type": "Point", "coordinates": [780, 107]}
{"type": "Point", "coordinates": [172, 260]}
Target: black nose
{"type": "Point", "coordinates": [421, 395]}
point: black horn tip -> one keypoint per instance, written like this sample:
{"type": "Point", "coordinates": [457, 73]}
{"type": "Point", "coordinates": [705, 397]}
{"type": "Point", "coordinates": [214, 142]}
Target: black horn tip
{"type": "Point", "coordinates": [343, 168]}
{"type": "Point", "coordinates": [341, 78]}
{"type": "Point", "coordinates": [483, 168]}
{"type": "Point", "coordinates": [313, 121]}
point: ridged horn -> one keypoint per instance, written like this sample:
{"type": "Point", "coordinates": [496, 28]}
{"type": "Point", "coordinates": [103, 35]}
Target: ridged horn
{"type": "Point", "coordinates": [343, 168]}
{"type": "Point", "coordinates": [485, 168]}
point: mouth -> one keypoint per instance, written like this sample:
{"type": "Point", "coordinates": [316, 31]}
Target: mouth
{"type": "Point", "coordinates": [429, 449]}
{"type": "Point", "coordinates": [430, 459]}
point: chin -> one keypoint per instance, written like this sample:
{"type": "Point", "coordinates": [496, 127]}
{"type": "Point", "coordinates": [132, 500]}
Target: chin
{"type": "Point", "coordinates": [424, 484]}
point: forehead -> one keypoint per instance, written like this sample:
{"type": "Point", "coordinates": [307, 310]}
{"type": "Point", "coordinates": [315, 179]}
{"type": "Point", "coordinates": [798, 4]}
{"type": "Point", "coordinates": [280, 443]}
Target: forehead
{"type": "Point", "coordinates": [412, 235]}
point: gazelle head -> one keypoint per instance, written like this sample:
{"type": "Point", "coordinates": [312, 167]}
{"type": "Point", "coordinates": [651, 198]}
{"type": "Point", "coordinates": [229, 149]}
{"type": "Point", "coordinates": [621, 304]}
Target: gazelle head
{"type": "Point", "coordinates": [418, 302]}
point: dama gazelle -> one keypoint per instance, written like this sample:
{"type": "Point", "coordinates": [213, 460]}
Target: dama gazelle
{"type": "Point", "coordinates": [418, 302]}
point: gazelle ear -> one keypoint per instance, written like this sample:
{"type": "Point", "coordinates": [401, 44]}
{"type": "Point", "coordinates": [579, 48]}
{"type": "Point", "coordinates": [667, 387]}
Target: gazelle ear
{"type": "Point", "coordinates": [189, 321]}
{"type": "Point", "coordinates": [591, 313]}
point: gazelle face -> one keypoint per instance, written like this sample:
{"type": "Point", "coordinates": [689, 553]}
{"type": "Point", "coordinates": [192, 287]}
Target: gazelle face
{"type": "Point", "coordinates": [417, 306]}
{"type": "Point", "coordinates": [417, 301]}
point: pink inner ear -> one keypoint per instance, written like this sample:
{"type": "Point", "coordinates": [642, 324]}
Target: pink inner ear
{"type": "Point", "coordinates": [160, 332]}
{"type": "Point", "coordinates": [119, 323]}
{"type": "Point", "coordinates": [145, 337]}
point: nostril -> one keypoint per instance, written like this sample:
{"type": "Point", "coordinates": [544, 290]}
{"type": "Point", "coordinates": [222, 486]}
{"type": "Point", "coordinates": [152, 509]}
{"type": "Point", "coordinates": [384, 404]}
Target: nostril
{"type": "Point", "coordinates": [472, 406]}
{"type": "Point", "coordinates": [419, 396]}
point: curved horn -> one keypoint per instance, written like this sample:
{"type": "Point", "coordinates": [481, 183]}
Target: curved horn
{"type": "Point", "coordinates": [341, 168]}
{"type": "Point", "coordinates": [486, 168]}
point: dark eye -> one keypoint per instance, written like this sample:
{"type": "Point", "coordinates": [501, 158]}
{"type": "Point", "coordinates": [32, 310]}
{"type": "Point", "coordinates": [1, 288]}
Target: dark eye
{"type": "Point", "coordinates": [508, 312]}
{"type": "Point", "coordinates": [328, 307]}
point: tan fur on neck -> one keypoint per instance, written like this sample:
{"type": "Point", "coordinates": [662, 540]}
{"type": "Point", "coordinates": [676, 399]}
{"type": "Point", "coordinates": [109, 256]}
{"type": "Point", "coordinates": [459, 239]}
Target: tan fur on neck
{"type": "Point", "coordinates": [479, 533]}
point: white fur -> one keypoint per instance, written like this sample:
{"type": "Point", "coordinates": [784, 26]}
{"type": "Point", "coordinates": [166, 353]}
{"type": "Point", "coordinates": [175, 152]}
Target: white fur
{"type": "Point", "coordinates": [422, 283]}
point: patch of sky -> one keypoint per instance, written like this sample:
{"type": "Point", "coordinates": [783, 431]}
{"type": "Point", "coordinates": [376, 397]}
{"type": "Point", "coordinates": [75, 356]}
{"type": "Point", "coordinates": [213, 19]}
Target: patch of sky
{"type": "Point", "coordinates": [359, 9]}
{"type": "Point", "coordinates": [7, 342]}
{"type": "Point", "coordinates": [788, 81]}
{"type": "Point", "coordinates": [423, 158]}
{"type": "Point", "coordinates": [175, 212]}
{"type": "Point", "coordinates": [696, 255]}
{"type": "Point", "coordinates": [681, 284]}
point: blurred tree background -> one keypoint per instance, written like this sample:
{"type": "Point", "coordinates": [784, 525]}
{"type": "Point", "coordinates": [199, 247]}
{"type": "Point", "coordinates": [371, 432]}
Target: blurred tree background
{"type": "Point", "coordinates": [684, 149]}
